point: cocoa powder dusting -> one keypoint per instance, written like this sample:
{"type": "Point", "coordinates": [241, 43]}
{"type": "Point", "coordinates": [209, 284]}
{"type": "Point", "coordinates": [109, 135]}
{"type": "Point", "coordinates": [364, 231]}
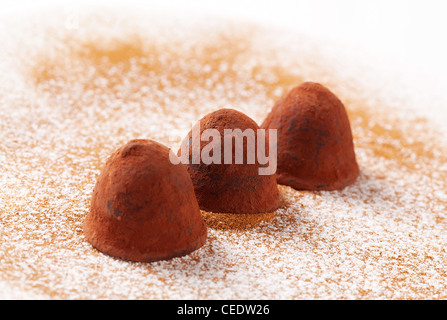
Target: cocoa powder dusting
{"type": "Point", "coordinates": [315, 144]}
{"type": "Point", "coordinates": [69, 98]}
{"type": "Point", "coordinates": [143, 207]}
{"type": "Point", "coordinates": [230, 187]}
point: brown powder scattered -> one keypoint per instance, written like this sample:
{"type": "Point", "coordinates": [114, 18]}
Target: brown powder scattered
{"type": "Point", "coordinates": [236, 221]}
{"type": "Point", "coordinates": [239, 221]}
{"type": "Point", "coordinates": [71, 97]}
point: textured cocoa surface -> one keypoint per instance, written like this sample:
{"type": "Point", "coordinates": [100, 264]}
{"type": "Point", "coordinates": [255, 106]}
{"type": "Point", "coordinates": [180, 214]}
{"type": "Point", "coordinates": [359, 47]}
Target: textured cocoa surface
{"type": "Point", "coordinates": [143, 206]}
{"type": "Point", "coordinates": [383, 237]}
{"type": "Point", "coordinates": [315, 144]}
{"type": "Point", "coordinates": [231, 188]}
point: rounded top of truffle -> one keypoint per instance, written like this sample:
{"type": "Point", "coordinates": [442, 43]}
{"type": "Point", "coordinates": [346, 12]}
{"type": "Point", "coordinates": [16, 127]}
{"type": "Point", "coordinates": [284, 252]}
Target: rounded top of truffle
{"type": "Point", "coordinates": [143, 206]}
{"type": "Point", "coordinates": [315, 142]}
{"type": "Point", "coordinates": [232, 182]}
{"type": "Point", "coordinates": [226, 118]}
{"type": "Point", "coordinates": [230, 124]}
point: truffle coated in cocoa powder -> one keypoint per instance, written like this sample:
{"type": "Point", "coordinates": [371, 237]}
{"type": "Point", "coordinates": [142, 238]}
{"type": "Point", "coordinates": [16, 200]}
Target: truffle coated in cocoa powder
{"type": "Point", "coordinates": [143, 207]}
{"type": "Point", "coordinates": [315, 143]}
{"type": "Point", "coordinates": [231, 188]}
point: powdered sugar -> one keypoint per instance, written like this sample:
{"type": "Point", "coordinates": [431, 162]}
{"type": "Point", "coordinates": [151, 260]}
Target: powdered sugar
{"type": "Point", "coordinates": [72, 93]}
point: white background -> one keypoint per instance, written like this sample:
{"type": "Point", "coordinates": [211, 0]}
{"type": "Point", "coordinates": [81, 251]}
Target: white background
{"type": "Point", "coordinates": [413, 30]}
{"type": "Point", "coordinates": [408, 36]}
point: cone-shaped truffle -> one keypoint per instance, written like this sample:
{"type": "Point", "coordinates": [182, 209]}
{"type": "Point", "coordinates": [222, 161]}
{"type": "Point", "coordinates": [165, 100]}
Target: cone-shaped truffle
{"type": "Point", "coordinates": [143, 207]}
{"type": "Point", "coordinates": [230, 186]}
{"type": "Point", "coordinates": [315, 144]}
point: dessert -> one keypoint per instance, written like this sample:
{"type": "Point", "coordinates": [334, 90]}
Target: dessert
{"type": "Point", "coordinates": [143, 206]}
{"type": "Point", "coordinates": [230, 186]}
{"type": "Point", "coordinates": [69, 97]}
{"type": "Point", "coordinates": [315, 144]}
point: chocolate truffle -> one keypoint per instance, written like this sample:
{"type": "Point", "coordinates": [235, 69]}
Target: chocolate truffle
{"type": "Point", "coordinates": [143, 206]}
{"type": "Point", "coordinates": [315, 144]}
{"type": "Point", "coordinates": [229, 185]}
